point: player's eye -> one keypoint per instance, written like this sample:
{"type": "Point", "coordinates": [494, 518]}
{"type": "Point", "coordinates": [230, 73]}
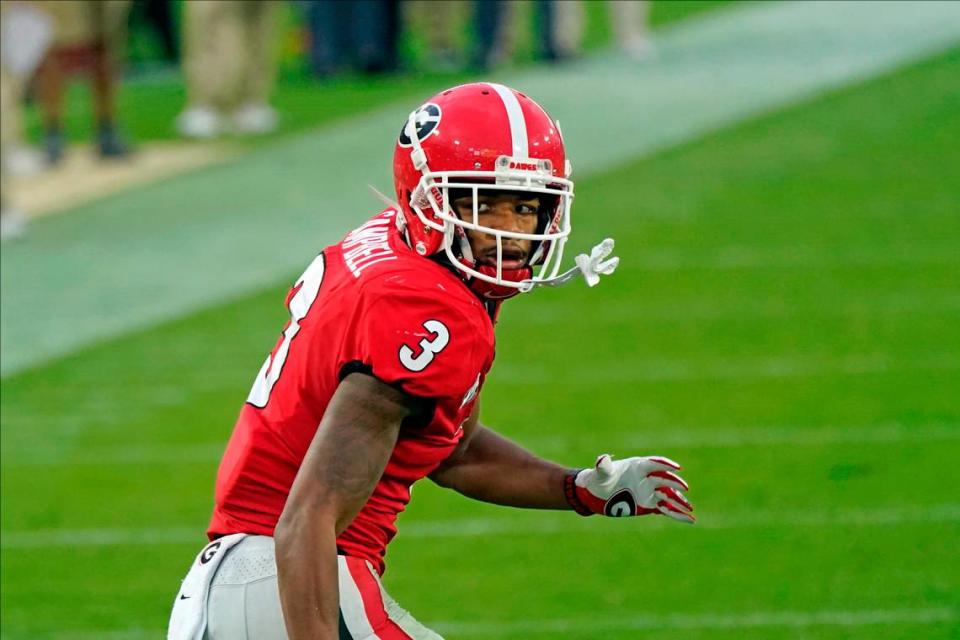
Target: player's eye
{"type": "Point", "coordinates": [525, 208]}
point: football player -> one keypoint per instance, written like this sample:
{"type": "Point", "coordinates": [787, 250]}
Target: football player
{"type": "Point", "coordinates": [375, 383]}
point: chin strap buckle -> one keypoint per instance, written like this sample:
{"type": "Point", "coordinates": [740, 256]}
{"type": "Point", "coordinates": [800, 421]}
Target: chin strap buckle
{"type": "Point", "coordinates": [419, 158]}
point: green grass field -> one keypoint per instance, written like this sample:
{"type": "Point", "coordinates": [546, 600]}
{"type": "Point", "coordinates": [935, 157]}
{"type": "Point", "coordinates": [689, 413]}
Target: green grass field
{"type": "Point", "coordinates": [785, 323]}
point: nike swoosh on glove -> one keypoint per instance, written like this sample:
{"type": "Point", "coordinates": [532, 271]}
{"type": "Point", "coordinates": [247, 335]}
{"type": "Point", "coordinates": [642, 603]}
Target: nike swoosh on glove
{"type": "Point", "coordinates": [630, 487]}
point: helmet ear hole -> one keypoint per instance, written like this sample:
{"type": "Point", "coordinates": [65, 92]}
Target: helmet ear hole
{"type": "Point", "coordinates": [545, 218]}
{"type": "Point", "coordinates": [453, 195]}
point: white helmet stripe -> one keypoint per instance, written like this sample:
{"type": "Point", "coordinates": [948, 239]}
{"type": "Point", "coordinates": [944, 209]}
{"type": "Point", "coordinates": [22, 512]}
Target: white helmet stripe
{"type": "Point", "coordinates": [518, 125]}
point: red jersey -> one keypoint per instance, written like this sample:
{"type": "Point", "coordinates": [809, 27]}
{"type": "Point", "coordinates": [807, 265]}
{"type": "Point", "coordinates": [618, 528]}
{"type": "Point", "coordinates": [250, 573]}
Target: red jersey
{"type": "Point", "coordinates": [366, 304]}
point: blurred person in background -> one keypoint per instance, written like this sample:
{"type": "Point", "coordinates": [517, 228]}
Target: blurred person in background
{"type": "Point", "coordinates": [360, 34]}
{"type": "Point", "coordinates": [440, 22]}
{"type": "Point", "coordinates": [157, 16]}
{"type": "Point", "coordinates": [88, 37]}
{"type": "Point", "coordinates": [230, 67]}
{"type": "Point", "coordinates": [25, 38]}
{"type": "Point", "coordinates": [13, 222]}
{"type": "Point", "coordinates": [25, 34]}
{"type": "Point", "coordinates": [631, 26]}
{"type": "Point", "coordinates": [561, 26]}
{"type": "Point", "coordinates": [376, 383]}
{"type": "Point", "coordinates": [491, 26]}
{"type": "Point", "coordinates": [492, 33]}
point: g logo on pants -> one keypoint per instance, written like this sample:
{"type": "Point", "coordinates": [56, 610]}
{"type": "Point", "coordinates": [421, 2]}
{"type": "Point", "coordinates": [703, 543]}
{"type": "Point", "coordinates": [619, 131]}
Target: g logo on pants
{"type": "Point", "coordinates": [209, 552]}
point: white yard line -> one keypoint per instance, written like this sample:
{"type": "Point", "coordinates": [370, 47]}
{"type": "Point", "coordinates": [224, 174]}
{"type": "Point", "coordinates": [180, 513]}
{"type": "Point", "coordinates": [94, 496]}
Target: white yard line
{"type": "Point", "coordinates": [151, 255]}
{"type": "Point", "coordinates": [649, 438]}
{"type": "Point", "coordinates": [799, 257]}
{"type": "Point", "coordinates": [61, 441]}
{"type": "Point", "coordinates": [640, 437]}
{"type": "Point", "coordinates": [622, 310]}
{"type": "Point", "coordinates": [552, 523]}
{"type": "Point", "coordinates": [744, 368]}
{"type": "Point", "coordinates": [555, 627]}
{"type": "Point", "coordinates": [100, 634]}
{"type": "Point", "coordinates": [524, 523]}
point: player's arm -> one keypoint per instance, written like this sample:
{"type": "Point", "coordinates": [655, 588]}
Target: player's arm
{"type": "Point", "coordinates": [487, 466]}
{"type": "Point", "coordinates": [491, 468]}
{"type": "Point", "coordinates": [339, 472]}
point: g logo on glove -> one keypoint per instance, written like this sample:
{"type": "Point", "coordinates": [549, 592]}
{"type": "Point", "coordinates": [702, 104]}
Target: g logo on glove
{"type": "Point", "coordinates": [630, 487]}
{"type": "Point", "coordinates": [620, 505]}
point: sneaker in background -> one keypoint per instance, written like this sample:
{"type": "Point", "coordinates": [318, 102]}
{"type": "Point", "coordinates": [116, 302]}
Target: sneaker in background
{"type": "Point", "coordinates": [255, 118]}
{"type": "Point", "coordinates": [13, 224]}
{"type": "Point", "coordinates": [200, 122]}
{"type": "Point", "coordinates": [53, 146]}
{"type": "Point", "coordinates": [23, 161]}
{"type": "Point", "coordinates": [110, 143]}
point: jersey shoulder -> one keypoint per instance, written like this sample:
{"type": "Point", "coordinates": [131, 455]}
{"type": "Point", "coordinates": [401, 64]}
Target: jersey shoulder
{"type": "Point", "coordinates": [417, 325]}
{"type": "Point", "coordinates": [382, 265]}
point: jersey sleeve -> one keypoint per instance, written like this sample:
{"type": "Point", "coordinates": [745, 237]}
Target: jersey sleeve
{"type": "Point", "coordinates": [426, 345]}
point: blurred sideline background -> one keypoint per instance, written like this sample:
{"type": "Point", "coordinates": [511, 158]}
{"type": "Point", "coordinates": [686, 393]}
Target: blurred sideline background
{"type": "Point", "coordinates": [781, 181]}
{"type": "Point", "coordinates": [312, 84]}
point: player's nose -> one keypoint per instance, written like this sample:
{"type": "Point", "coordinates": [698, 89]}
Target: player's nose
{"type": "Point", "coordinates": [507, 218]}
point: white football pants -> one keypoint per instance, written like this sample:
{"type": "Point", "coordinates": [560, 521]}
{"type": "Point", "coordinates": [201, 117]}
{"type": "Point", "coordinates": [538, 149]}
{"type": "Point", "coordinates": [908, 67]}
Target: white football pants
{"type": "Point", "coordinates": [244, 602]}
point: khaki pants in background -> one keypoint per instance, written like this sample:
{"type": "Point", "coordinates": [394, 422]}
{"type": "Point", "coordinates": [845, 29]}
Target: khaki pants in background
{"type": "Point", "coordinates": [11, 122]}
{"type": "Point", "coordinates": [86, 22]}
{"type": "Point", "coordinates": [9, 126]}
{"type": "Point", "coordinates": [628, 19]}
{"type": "Point", "coordinates": [228, 52]}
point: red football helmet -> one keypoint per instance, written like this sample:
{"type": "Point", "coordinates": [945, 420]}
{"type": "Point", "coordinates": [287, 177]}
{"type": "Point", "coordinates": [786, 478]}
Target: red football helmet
{"type": "Point", "coordinates": [482, 136]}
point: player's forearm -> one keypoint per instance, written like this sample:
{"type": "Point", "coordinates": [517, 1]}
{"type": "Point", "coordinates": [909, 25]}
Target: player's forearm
{"type": "Point", "coordinates": [497, 470]}
{"type": "Point", "coordinates": [338, 474]}
{"type": "Point", "coordinates": [306, 553]}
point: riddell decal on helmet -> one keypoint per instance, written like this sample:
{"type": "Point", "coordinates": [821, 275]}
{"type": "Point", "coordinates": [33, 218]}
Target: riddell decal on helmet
{"type": "Point", "coordinates": [507, 163]}
{"type": "Point", "coordinates": [521, 165]}
{"type": "Point", "coordinates": [427, 118]}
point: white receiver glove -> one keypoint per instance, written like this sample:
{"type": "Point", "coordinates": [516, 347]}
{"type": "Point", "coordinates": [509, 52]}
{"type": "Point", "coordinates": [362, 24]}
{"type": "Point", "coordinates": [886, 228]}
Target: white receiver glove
{"type": "Point", "coordinates": [630, 487]}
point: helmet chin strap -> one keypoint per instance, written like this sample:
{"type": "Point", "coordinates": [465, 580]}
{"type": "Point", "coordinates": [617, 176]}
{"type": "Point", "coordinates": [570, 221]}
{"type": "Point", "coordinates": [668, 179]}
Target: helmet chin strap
{"type": "Point", "coordinates": [492, 291]}
{"type": "Point", "coordinates": [591, 267]}
{"type": "Point", "coordinates": [484, 289]}
{"type": "Point", "coordinates": [465, 249]}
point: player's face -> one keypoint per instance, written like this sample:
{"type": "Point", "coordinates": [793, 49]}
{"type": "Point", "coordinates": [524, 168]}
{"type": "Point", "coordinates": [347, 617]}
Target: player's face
{"type": "Point", "coordinates": [504, 212]}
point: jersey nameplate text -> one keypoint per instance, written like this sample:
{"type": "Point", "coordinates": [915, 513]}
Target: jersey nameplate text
{"type": "Point", "coordinates": [368, 245]}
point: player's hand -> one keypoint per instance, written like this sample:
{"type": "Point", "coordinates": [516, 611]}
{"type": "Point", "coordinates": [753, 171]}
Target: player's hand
{"type": "Point", "coordinates": [631, 487]}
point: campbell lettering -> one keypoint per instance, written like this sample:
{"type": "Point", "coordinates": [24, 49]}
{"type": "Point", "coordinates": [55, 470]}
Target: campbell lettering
{"type": "Point", "coordinates": [367, 245]}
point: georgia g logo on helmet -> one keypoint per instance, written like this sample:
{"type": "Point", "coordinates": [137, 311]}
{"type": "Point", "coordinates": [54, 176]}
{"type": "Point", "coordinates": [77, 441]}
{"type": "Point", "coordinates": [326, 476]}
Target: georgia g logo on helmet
{"type": "Point", "coordinates": [427, 119]}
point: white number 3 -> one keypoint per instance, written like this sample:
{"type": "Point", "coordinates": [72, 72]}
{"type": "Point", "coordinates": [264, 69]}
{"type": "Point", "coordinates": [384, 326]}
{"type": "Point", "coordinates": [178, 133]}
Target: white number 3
{"type": "Point", "coordinates": [307, 288]}
{"type": "Point", "coordinates": [429, 347]}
